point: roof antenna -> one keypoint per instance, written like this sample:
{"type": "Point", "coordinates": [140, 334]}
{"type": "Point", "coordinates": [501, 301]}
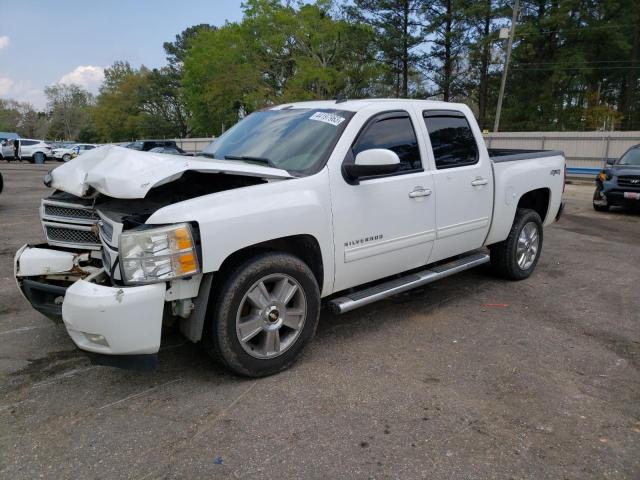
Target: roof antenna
{"type": "Point", "coordinates": [341, 98]}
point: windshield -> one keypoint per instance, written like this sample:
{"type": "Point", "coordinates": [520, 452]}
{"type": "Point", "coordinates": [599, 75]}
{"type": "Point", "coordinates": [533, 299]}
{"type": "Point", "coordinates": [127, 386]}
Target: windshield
{"type": "Point", "coordinates": [296, 140]}
{"type": "Point", "coordinates": [632, 157]}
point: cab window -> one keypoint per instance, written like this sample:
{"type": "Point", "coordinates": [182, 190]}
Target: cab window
{"type": "Point", "coordinates": [393, 131]}
{"type": "Point", "coordinates": [451, 138]}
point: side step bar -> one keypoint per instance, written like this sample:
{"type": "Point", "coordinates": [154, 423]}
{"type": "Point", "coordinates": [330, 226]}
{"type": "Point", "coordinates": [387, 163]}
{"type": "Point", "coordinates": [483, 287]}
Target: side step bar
{"type": "Point", "coordinates": [398, 285]}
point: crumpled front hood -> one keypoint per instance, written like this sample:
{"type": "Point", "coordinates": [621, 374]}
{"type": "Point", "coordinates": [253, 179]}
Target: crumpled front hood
{"type": "Point", "coordinates": [125, 173]}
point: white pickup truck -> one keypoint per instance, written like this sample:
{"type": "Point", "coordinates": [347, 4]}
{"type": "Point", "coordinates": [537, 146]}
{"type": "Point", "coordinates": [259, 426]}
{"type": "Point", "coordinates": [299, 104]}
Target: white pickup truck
{"type": "Point", "coordinates": [347, 202]}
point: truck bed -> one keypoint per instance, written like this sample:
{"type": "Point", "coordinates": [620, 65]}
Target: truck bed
{"type": "Point", "coordinates": [512, 155]}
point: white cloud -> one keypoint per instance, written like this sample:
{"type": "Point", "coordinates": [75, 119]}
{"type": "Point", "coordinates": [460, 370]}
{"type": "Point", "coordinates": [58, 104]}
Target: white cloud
{"type": "Point", "coordinates": [5, 86]}
{"type": "Point", "coordinates": [23, 91]}
{"type": "Point", "coordinates": [87, 76]}
{"type": "Point", "coordinates": [4, 42]}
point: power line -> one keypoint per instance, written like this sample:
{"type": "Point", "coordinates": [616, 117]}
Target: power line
{"type": "Point", "coordinates": [581, 29]}
{"type": "Point", "coordinates": [577, 63]}
{"type": "Point", "coordinates": [576, 68]}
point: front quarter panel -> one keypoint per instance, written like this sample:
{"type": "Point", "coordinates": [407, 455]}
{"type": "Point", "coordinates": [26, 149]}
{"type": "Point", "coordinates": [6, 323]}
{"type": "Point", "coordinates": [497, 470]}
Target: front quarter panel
{"type": "Point", "coordinates": [235, 219]}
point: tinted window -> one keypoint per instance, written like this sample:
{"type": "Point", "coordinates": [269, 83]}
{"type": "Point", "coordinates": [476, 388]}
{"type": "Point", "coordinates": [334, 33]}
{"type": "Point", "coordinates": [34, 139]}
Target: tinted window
{"type": "Point", "coordinates": [452, 140]}
{"type": "Point", "coordinates": [89, 147]}
{"type": "Point", "coordinates": [394, 133]}
{"type": "Point", "coordinates": [631, 157]}
{"type": "Point", "coordinates": [28, 142]}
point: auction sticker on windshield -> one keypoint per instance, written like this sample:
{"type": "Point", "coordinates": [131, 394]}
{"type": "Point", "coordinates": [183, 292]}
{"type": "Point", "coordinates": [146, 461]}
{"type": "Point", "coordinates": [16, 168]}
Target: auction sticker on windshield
{"type": "Point", "coordinates": [329, 118]}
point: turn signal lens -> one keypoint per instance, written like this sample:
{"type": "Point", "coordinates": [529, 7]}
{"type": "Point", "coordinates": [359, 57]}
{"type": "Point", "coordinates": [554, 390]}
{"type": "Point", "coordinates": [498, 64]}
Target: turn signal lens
{"type": "Point", "coordinates": [602, 176]}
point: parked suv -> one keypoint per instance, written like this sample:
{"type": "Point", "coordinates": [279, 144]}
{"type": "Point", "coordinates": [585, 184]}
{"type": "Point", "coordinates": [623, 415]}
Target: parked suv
{"type": "Point", "coordinates": [618, 184]}
{"type": "Point", "coordinates": [36, 151]}
{"type": "Point", "coordinates": [63, 151]}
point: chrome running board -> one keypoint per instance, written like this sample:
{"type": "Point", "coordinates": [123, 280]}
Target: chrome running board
{"type": "Point", "coordinates": [369, 295]}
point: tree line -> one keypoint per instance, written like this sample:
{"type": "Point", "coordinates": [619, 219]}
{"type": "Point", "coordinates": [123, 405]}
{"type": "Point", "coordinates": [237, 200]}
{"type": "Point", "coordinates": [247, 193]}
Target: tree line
{"type": "Point", "coordinates": [575, 65]}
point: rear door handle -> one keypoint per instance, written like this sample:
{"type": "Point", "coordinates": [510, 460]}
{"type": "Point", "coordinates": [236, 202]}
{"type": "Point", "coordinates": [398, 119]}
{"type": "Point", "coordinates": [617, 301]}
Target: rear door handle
{"type": "Point", "coordinates": [479, 181]}
{"type": "Point", "coordinates": [420, 192]}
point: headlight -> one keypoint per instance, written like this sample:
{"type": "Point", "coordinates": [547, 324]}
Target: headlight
{"type": "Point", "coordinates": [158, 254]}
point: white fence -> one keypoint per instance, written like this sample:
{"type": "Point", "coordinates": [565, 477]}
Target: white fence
{"type": "Point", "coordinates": [193, 145]}
{"type": "Point", "coordinates": [584, 151]}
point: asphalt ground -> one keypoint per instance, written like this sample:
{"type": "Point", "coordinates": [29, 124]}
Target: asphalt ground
{"type": "Point", "coordinates": [471, 377]}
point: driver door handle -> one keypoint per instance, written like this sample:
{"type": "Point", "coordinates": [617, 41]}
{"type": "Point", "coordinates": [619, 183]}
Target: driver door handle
{"type": "Point", "coordinates": [420, 192]}
{"type": "Point", "coordinates": [479, 181]}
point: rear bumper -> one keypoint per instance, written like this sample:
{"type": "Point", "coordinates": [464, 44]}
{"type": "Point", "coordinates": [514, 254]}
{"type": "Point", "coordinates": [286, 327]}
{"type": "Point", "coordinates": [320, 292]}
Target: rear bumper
{"type": "Point", "coordinates": [560, 210]}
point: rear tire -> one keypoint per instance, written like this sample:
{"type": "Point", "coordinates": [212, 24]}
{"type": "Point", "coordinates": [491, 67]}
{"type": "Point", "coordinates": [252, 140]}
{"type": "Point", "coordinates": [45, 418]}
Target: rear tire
{"type": "Point", "coordinates": [602, 205]}
{"type": "Point", "coordinates": [263, 315]}
{"type": "Point", "coordinates": [39, 158]}
{"type": "Point", "coordinates": [516, 257]}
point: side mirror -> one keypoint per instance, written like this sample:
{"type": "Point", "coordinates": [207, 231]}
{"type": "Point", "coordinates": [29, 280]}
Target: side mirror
{"type": "Point", "coordinates": [376, 161]}
{"type": "Point", "coordinates": [609, 161]}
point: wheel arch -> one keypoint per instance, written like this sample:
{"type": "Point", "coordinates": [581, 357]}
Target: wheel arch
{"type": "Point", "coordinates": [537, 200]}
{"type": "Point", "coordinates": [305, 247]}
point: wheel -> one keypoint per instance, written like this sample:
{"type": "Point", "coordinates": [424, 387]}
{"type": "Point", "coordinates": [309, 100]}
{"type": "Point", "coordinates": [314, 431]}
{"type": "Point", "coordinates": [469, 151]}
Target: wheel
{"type": "Point", "coordinates": [66, 157]}
{"type": "Point", "coordinates": [39, 157]}
{"type": "Point", "coordinates": [600, 203]}
{"type": "Point", "coordinates": [264, 314]}
{"type": "Point", "coordinates": [516, 257]}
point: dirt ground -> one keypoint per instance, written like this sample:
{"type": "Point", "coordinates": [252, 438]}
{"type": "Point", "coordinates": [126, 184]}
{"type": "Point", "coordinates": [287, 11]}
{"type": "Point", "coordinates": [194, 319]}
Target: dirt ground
{"type": "Point", "coordinates": [471, 378]}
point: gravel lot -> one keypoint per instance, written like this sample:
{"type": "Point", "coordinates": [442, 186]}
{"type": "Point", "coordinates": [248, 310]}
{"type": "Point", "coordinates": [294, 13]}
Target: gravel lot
{"type": "Point", "coordinates": [472, 377]}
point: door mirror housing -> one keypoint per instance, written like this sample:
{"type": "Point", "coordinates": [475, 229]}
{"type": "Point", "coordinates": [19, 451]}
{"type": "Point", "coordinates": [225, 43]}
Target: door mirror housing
{"type": "Point", "coordinates": [376, 161]}
{"type": "Point", "coordinates": [609, 161]}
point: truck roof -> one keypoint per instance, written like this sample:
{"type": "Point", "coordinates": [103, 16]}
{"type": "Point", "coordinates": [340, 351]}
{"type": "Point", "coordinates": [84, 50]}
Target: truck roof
{"type": "Point", "coordinates": [356, 105]}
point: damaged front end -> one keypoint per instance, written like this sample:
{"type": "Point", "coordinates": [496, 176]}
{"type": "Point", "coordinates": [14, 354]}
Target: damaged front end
{"type": "Point", "coordinates": [78, 276]}
{"type": "Point", "coordinates": [44, 273]}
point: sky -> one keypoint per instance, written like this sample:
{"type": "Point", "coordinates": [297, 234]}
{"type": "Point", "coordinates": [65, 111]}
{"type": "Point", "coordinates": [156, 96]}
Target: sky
{"type": "Point", "coordinates": [72, 41]}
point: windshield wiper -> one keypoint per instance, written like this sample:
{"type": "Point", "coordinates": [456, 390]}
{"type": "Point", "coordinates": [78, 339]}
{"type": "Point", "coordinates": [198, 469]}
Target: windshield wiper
{"type": "Point", "coordinates": [248, 158]}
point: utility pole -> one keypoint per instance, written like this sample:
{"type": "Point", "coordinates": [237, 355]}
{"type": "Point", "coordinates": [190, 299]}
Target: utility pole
{"type": "Point", "coordinates": [512, 33]}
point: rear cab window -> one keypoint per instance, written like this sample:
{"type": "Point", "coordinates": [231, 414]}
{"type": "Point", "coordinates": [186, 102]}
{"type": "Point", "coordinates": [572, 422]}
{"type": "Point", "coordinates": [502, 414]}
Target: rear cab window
{"type": "Point", "coordinates": [452, 139]}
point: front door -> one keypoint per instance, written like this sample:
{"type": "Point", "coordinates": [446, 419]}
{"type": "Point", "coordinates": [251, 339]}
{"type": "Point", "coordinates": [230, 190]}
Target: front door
{"type": "Point", "coordinates": [463, 184]}
{"type": "Point", "coordinates": [385, 224]}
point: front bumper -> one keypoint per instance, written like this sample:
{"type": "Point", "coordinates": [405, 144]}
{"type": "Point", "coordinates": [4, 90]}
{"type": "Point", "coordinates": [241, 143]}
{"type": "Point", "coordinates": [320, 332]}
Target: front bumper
{"type": "Point", "coordinates": [114, 320]}
{"type": "Point", "coordinates": [100, 319]}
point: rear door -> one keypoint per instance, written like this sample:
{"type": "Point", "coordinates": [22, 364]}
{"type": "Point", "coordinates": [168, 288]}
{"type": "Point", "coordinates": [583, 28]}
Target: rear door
{"type": "Point", "coordinates": [27, 147]}
{"type": "Point", "coordinates": [463, 184]}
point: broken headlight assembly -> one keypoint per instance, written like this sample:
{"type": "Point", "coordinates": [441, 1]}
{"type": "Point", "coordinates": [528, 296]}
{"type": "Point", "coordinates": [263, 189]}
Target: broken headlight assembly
{"type": "Point", "coordinates": [158, 254]}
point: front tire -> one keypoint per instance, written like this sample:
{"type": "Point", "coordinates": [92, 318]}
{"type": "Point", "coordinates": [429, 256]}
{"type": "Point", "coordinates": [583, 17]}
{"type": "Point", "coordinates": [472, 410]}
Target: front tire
{"type": "Point", "coordinates": [264, 314]}
{"type": "Point", "coordinates": [66, 157]}
{"type": "Point", "coordinates": [600, 203]}
{"type": "Point", "coordinates": [516, 257]}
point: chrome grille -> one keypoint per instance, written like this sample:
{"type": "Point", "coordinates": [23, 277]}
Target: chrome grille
{"type": "Point", "coordinates": [70, 224]}
{"type": "Point", "coordinates": [69, 235]}
{"type": "Point", "coordinates": [629, 181]}
{"type": "Point", "coordinates": [52, 210]}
